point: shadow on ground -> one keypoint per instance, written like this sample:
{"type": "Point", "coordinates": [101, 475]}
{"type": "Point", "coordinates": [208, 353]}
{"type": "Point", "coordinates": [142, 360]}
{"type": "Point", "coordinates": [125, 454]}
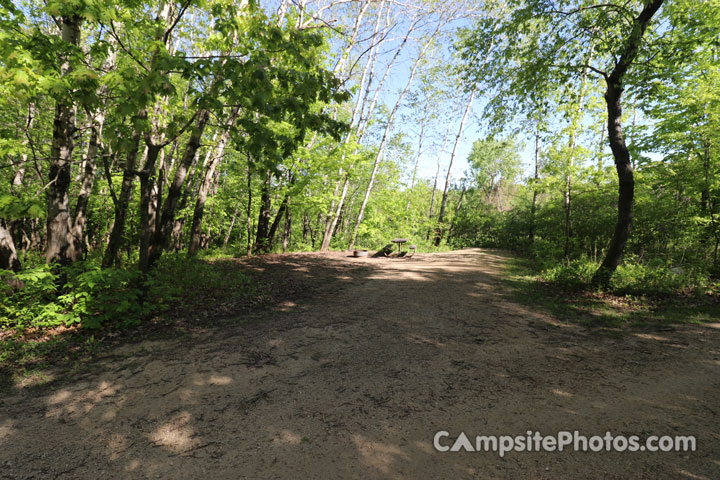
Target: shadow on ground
{"type": "Point", "coordinates": [351, 373]}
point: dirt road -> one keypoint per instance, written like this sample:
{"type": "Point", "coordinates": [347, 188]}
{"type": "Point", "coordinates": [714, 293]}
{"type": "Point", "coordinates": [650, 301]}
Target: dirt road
{"type": "Point", "coordinates": [354, 378]}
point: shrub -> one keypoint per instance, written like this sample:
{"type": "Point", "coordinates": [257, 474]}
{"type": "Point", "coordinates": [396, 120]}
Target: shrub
{"type": "Point", "coordinates": [91, 297]}
{"type": "Point", "coordinates": [98, 297]}
{"type": "Point", "coordinates": [573, 274]}
{"type": "Point", "coordinates": [632, 277]}
{"type": "Point", "coordinates": [31, 304]}
{"type": "Point", "coordinates": [657, 278]}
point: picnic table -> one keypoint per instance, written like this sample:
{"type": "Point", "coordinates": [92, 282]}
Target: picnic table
{"type": "Point", "coordinates": [400, 242]}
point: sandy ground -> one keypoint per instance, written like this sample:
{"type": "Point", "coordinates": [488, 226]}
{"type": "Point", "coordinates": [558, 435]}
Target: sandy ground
{"type": "Point", "coordinates": [352, 377]}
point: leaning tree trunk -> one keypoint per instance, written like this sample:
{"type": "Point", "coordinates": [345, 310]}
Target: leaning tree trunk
{"type": "Point", "coordinates": [8, 256]}
{"type": "Point", "coordinates": [362, 113]}
{"type": "Point", "coordinates": [217, 155]}
{"type": "Point", "coordinates": [97, 121]}
{"type": "Point", "coordinates": [437, 172]}
{"type": "Point", "coordinates": [383, 141]}
{"type": "Point", "coordinates": [536, 176]}
{"type": "Point", "coordinates": [248, 219]}
{"type": "Point", "coordinates": [356, 118]}
{"type": "Point", "coordinates": [121, 205]}
{"type": "Point", "coordinates": [443, 203]}
{"type": "Point", "coordinates": [262, 232]}
{"type": "Point", "coordinates": [86, 184]}
{"type": "Point", "coordinates": [423, 122]}
{"type": "Point", "coordinates": [161, 237]}
{"type": "Point", "coordinates": [457, 210]}
{"type": "Point", "coordinates": [458, 137]}
{"type": "Point", "coordinates": [230, 228]}
{"type": "Point", "coordinates": [59, 243]}
{"type": "Point", "coordinates": [276, 223]}
{"type": "Point", "coordinates": [287, 231]}
{"type": "Point", "coordinates": [626, 182]}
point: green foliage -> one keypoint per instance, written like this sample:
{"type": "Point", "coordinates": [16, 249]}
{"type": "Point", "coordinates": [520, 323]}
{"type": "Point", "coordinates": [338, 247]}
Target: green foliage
{"type": "Point", "coordinates": [192, 282]}
{"type": "Point", "coordinates": [655, 278]}
{"type": "Point", "coordinates": [568, 299]}
{"type": "Point", "coordinates": [92, 297]}
{"type": "Point", "coordinates": [12, 208]}
{"type": "Point", "coordinates": [104, 297]}
{"type": "Point", "coordinates": [96, 298]}
{"type": "Point", "coordinates": [575, 274]}
{"type": "Point", "coordinates": [495, 165]}
{"type": "Point", "coordinates": [32, 304]}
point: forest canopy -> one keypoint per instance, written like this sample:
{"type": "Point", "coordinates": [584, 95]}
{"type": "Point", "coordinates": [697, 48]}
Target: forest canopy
{"type": "Point", "coordinates": [588, 132]}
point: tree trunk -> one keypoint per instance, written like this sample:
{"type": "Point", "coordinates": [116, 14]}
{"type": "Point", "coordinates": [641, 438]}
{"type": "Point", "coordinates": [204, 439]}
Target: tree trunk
{"type": "Point", "coordinates": [332, 225]}
{"type": "Point", "coordinates": [249, 209]}
{"type": "Point", "coordinates": [362, 107]}
{"type": "Point", "coordinates": [195, 230]}
{"type": "Point", "coordinates": [276, 223]}
{"type": "Point", "coordinates": [262, 240]}
{"type": "Point", "coordinates": [8, 256]}
{"type": "Point", "coordinates": [626, 187]}
{"type": "Point", "coordinates": [230, 229]}
{"type": "Point", "coordinates": [437, 172]}
{"type": "Point", "coordinates": [161, 237]}
{"type": "Point", "coordinates": [386, 132]}
{"type": "Point", "coordinates": [457, 209]}
{"type": "Point", "coordinates": [287, 231]}
{"type": "Point", "coordinates": [626, 182]}
{"type": "Point", "coordinates": [86, 186]}
{"type": "Point", "coordinates": [458, 137]}
{"type": "Point", "coordinates": [59, 244]}
{"type": "Point", "coordinates": [97, 122]}
{"type": "Point", "coordinates": [419, 153]}
{"type": "Point", "coordinates": [121, 205]}
{"type": "Point", "coordinates": [147, 206]}
{"type": "Point", "coordinates": [536, 176]}
{"type": "Point", "coordinates": [705, 193]}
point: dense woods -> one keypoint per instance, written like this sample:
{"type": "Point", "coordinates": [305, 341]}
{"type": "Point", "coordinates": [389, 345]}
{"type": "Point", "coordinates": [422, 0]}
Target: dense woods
{"type": "Point", "coordinates": [134, 131]}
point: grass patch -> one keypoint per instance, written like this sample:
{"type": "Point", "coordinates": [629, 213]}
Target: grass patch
{"type": "Point", "coordinates": [578, 304]}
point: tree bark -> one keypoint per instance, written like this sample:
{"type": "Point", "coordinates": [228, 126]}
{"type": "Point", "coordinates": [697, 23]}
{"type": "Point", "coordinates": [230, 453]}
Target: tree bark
{"type": "Point", "coordinates": [147, 207]}
{"type": "Point", "coordinates": [386, 132]}
{"type": "Point", "coordinates": [8, 256]}
{"type": "Point", "coordinates": [437, 172]}
{"type": "Point", "coordinates": [457, 209]}
{"type": "Point", "coordinates": [217, 155]}
{"type": "Point", "coordinates": [249, 208]}
{"type": "Point", "coordinates": [160, 240]}
{"type": "Point", "coordinates": [230, 228]}
{"type": "Point", "coordinates": [423, 121]}
{"type": "Point", "coordinates": [361, 114]}
{"type": "Point", "coordinates": [458, 137]}
{"type": "Point", "coordinates": [536, 176]}
{"type": "Point", "coordinates": [626, 182]}
{"type": "Point", "coordinates": [59, 244]}
{"type": "Point", "coordinates": [705, 193]}
{"type": "Point", "coordinates": [121, 205]}
{"type": "Point", "coordinates": [276, 223]}
{"type": "Point", "coordinates": [262, 240]}
{"type": "Point", "coordinates": [97, 122]}
{"type": "Point", "coordinates": [287, 231]}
